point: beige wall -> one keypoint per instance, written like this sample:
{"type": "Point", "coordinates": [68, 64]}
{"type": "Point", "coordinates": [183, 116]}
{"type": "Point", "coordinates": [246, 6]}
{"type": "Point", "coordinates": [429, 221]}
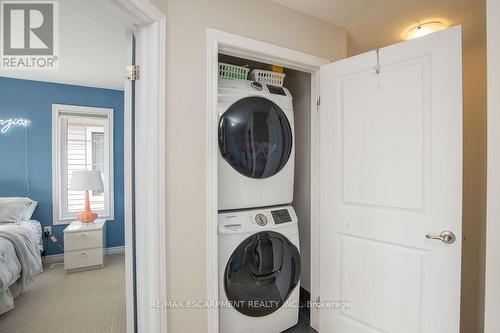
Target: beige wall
{"type": "Point", "coordinates": [384, 22]}
{"type": "Point", "coordinates": [474, 187]}
{"type": "Point", "coordinates": [187, 21]}
{"type": "Point", "coordinates": [492, 304]}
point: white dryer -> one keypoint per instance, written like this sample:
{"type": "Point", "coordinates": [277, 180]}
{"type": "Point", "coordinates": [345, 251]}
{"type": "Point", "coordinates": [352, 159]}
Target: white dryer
{"type": "Point", "coordinates": [256, 145]}
{"type": "Point", "coordinates": [259, 270]}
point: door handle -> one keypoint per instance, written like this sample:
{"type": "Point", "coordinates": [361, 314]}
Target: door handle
{"type": "Point", "coordinates": [446, 237]}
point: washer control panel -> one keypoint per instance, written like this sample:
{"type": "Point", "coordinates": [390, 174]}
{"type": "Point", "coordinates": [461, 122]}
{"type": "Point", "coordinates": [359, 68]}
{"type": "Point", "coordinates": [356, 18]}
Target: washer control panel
{"type": "Point", "coordinates": [261, 219]}
{"type": "Point", "coordinates": [255, 220]}
{"type": "Point", "coordinates": [281, 216]}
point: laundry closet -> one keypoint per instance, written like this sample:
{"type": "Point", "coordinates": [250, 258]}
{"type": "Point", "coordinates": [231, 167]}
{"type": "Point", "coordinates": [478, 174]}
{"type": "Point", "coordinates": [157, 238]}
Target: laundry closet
{"type": "Point", "coordinates": [264, 195]}
{"type": "Point", "coordinates": [372, 208]}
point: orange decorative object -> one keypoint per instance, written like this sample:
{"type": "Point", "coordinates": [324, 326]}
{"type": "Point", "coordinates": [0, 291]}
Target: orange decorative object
{"type": "Point", "coordinates": [87, 216]}
{"type": "Point", "coordinates": [86, 180]}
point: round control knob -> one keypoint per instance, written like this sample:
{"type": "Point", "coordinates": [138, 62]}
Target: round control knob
{"type": "Point", "coordinates": [261, 219]}
{"type": "Point", "coordinates": [256, 85]}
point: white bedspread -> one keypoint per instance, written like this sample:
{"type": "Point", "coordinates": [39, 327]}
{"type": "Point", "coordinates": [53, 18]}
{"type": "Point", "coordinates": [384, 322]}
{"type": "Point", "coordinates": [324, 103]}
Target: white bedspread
{"type": "Point", "coordinates": [19, 260]}
{"type": "Point", "coordinates": [37, 229]}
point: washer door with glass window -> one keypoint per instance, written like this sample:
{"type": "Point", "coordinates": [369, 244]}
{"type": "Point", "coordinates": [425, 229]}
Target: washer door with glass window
{"type": "Point", "coordinates": [262, 273]}
{"type": "Point", "coordinates": [255, 137]}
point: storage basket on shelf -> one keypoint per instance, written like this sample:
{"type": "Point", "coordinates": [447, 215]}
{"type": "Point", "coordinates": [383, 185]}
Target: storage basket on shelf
{"type": "Point", "coordinates": [233, 71]}
{"type": "Point", "coordinates": [268, 77]}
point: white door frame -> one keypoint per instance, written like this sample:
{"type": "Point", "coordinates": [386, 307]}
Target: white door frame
{"type": "Point", "coordinates": [150, 236]}
{"type": "Point", "coordinates": [227, 43]}
{"type": "Point", "coordinates": [492, 288]}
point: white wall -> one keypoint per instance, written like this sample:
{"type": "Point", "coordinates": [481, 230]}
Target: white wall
{"type": "Point", "coordinates": [187, 21]}
{"type": "Point", "coordinates": [299, 84]}
{"type": "Point", "coordinates": [86, 28]}
{"type": "Point", "coordinates": [492, 301]}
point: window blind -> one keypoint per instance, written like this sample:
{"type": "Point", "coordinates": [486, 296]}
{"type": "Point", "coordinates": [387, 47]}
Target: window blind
{"type": "Point", "coordinates": [85, 151]}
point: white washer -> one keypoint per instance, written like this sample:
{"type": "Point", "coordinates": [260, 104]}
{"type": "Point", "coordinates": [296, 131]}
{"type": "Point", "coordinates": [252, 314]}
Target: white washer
{"type": "Point", "coordinates": [256, 145]}
{"type": "Point", "coordinates": [259, 270]}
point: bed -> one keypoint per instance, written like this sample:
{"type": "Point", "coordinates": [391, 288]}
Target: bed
{"type": "Point", "coordinates": [20, 261]}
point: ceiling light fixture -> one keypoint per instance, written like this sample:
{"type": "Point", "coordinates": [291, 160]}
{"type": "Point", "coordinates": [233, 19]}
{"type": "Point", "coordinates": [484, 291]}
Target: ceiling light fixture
{"type": "Point", "coordinates": [423, 29]}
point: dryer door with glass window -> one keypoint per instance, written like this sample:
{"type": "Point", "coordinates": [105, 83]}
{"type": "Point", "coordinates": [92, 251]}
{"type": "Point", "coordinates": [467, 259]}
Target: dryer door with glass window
{"type": "Point", "coordinates": [255, 137]}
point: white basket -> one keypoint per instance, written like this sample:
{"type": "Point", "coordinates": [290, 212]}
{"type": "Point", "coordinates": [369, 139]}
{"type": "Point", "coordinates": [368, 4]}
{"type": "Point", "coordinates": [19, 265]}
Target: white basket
{"type": "Point", "coordinates": [268, 77]}
{"type": "Point", "coordinates": [233, 71]}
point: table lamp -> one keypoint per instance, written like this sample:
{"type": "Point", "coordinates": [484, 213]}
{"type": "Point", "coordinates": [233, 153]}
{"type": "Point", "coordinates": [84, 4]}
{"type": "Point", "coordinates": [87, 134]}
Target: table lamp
{"type": "Point", "coordinates": [86, 181]}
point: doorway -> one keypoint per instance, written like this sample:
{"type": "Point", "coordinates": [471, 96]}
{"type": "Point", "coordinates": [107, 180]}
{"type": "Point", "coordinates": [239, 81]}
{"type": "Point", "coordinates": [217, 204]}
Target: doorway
{"type": "Point", "coordinates": [145, 172]}
{"type": "Point", "coordinates": [228, 45]}
{"type": "Point", "coordinates": [143, 140]}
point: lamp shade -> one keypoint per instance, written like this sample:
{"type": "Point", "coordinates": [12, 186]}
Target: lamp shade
{"type": "Point", "coordinates": [86, 181]}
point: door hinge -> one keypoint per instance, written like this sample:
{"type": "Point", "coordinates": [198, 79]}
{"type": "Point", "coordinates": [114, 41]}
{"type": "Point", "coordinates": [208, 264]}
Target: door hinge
{"type": "Point", "coordinates": [133, 72]}
{"type": "Point", "coordinates": [318, 102]}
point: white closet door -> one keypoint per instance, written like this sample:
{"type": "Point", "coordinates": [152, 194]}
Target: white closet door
{"type": "Point", "coordinates": [391, 173]}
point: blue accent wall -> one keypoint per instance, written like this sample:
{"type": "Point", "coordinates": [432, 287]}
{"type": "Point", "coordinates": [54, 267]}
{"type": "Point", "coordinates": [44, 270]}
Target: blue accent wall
{"type": "Point", "coordinates": [33, 100]}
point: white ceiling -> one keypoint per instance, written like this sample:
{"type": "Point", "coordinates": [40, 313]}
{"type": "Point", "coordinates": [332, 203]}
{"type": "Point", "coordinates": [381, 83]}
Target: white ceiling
{"type": "Point", "coordinates": [92, 47]}
{"type": "Point", "coordinates": [375, 23]}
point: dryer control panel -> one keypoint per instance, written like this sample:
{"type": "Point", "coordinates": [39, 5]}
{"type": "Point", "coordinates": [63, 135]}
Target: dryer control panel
{"type": "Point", "coordinates": [256, 220]}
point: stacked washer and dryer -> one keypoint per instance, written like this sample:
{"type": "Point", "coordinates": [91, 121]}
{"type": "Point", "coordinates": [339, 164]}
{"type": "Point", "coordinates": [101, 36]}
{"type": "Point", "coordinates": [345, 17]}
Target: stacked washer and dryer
{"type": "Point", "coordinates": [259, 259]}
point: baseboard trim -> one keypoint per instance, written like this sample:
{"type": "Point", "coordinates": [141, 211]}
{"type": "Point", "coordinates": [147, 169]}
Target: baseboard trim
{"type": "Point", "coordinates": [115, 249]}
{"type": "Point", "coordinates": [54, 258]}
{"type": "Point", "coordinates": [60, 257]}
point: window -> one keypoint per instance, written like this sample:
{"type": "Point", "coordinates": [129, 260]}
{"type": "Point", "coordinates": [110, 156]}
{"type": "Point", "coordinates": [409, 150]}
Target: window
{"type": "Point", "coordinates": [82, 140]}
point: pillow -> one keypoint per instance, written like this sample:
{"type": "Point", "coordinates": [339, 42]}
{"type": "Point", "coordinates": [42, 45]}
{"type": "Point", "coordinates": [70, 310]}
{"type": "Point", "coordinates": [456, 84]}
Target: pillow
{"type": "Point", "coordinates": [14, 209]}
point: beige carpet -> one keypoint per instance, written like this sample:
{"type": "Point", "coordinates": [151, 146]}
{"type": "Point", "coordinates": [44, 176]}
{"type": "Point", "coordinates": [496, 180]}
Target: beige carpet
{"type": "Point", "coordinates": [88, 302]}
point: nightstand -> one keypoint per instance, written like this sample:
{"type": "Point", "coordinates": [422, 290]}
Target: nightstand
{"type": "Point", "coordinates": [84, 245]}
